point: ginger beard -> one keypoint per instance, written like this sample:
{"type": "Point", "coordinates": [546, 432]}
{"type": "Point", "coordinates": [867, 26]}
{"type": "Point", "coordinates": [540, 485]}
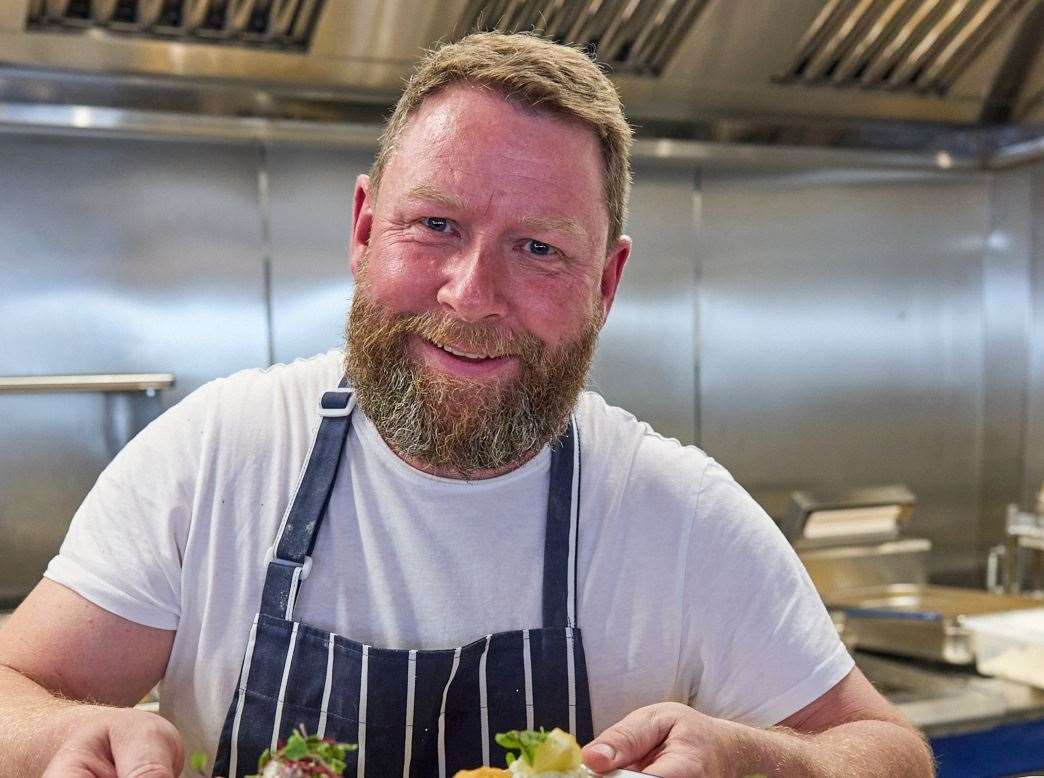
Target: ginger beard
{"type": "Point", "coordinates": [456, 424]}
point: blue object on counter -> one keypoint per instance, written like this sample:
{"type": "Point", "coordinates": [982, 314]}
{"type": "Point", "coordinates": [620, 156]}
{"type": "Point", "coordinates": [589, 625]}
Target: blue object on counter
{"type": "Point", "coordinates": [1005, 750]}
{"type": "Point", "coordinates": [888, 613]}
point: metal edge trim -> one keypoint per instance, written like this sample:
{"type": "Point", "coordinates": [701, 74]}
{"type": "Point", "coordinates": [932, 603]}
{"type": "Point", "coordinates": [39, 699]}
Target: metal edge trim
{"type": "Point", "coordinates": [51, 119]}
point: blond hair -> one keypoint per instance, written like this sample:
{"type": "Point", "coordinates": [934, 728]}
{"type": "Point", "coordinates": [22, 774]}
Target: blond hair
{"type": "Point", "coordinates": [531, 72]}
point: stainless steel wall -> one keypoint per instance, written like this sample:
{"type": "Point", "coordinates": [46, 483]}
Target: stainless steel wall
{"type": "Point", "coordinates": [1033, 236]}
{"type": "Point", "coordinates": [116, 256]}
{"type": "Point", "coordinates": [842, 338]}
{"type": "Point", "coordinates": [310, 199]}
{"type": "Point", "coordinates": [807, 327]}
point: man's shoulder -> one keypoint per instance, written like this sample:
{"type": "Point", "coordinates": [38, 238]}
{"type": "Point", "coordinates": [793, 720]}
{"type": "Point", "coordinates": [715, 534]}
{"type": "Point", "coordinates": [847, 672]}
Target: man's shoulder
{"type": "Point", "coordinates": [618, 443]}
{"type": "Point", "coordinates": [288, 384]}
{"type": "Point", "coordinates": [257, 409]}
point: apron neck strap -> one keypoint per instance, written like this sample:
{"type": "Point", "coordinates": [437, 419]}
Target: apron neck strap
{"type": "Point", "coordinates": [289, 561]}
{"type": "Point", "coordinates": [561, 534]}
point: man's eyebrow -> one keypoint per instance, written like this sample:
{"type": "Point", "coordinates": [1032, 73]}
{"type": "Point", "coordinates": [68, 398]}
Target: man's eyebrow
{"type": "Point", "coordinates": [431, 194]}
{"type": "Point", "coordinates": [428, 193]}
{"type": "Point", "coordinates": [555, 224]}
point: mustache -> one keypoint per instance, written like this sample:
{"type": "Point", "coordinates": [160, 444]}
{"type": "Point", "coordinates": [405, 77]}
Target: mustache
{"type": "Point", "coordinates": [443, 330]}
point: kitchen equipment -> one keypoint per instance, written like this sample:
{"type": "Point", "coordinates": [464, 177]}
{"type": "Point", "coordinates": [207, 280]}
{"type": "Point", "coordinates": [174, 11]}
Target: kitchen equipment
{"type": "Point", "coordinates": [1018, 564]}
{"type": "Point", "coordinates": [918, 620]}
{"type": "Point", "coordinates": [1010, 645]}
{"type": "Point", "coordinates": [875, 582]}
{"type": "Point", "coordinates": [850, 538]}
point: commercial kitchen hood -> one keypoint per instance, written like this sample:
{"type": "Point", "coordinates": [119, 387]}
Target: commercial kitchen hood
{"type": "Point", "coordinates": [961, 75]}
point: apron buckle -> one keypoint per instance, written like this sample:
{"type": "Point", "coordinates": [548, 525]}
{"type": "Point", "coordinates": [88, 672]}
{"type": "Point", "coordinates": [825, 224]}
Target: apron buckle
{"type": "Point", "coordinates": [330, 404]}
{"type": "Point", "coordinates": [306, 566]}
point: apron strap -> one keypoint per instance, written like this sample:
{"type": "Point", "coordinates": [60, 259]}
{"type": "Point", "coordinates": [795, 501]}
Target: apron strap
{"type": "Point", "coordinates": [561, 535]}
{"type": "Point", "coordinates": [289, 560]}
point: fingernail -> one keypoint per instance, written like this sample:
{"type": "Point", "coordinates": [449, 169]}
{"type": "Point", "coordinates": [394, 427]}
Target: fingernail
{"type": "Point", "coordinates": [604, 749]}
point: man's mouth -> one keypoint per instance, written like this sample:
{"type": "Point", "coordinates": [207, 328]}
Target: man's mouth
{"type": "Point", "coordinates": [474, 357]}
{"type": "Point", "coordinates": [468, 361]}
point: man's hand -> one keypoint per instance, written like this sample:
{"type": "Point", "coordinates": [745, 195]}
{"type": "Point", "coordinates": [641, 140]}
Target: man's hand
{"type": "Point", "coordinates": [848, 732]}
{"type": "Point", "coordinates": [58, 648]}
{"type": "Point", "coordinates": [111, 742]}
{"type": "Point", "coordinates": [670, 740]}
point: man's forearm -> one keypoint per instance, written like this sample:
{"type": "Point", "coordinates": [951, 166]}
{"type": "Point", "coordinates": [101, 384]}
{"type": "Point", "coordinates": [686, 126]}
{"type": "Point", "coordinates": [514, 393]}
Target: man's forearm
{"type": "Point", "coordinates": [33, 723]}
{"type": "Point", "coordinates": [860, 748]}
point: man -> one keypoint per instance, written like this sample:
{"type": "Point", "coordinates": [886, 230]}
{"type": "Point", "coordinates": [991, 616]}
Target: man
{"type": "Point", "coordinates": [457, 541]}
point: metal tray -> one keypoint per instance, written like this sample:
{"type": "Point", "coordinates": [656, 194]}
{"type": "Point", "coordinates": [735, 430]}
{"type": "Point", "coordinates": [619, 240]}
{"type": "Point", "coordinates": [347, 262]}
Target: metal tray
{"type": "Point", "coordinates": [918, 620]}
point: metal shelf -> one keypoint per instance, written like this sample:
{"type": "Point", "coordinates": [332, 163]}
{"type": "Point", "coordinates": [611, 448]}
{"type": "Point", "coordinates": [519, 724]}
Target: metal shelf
{"type": "Point", "coordinates": [149, 383]}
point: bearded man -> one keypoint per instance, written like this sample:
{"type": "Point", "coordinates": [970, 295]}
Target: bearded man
{"type": "Point", "coordinates": [437, 535]}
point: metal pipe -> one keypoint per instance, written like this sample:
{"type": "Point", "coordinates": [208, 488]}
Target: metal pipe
{"type": "Point", "coordinates": [149, 383]}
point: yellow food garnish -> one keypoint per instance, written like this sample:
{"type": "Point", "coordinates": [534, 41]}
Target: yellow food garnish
{"type": "Point", "coordinates": [559, 753]}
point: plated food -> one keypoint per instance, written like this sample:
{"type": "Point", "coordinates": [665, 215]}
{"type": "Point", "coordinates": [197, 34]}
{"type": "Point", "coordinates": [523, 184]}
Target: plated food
{"type": "Point", "coordinates": [531, 754]}
{"type": "Point", "coordinates": [536, 754]}
{"type": "Point", "coordinates": [302, 756]}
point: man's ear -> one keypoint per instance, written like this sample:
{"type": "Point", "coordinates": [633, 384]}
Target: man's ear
{"type": "Point", "coordinates": [612, 271]}
{"type": "Point", "coordinates": [362, 222]}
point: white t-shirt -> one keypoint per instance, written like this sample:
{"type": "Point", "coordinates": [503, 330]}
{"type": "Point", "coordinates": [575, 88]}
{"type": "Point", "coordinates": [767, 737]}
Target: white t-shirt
{"type": "Point", "coordinates": [687, 590]}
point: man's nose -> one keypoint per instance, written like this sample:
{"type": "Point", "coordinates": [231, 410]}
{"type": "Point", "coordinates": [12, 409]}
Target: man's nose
{"type": "Point", "coordinates": [472, 285]}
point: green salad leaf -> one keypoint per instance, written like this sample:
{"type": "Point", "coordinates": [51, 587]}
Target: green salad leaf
{"type": "Point", "coordinates": [321, 756]}
{"type": "Point", "coordinates": [526, 741]}
{"type": "Point", "coordinates": [198, 762]}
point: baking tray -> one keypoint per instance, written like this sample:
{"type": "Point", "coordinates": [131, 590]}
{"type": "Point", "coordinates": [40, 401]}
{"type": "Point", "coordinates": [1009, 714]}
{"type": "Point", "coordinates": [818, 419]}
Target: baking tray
{"type": "Point", "coordinates": [918, 620]}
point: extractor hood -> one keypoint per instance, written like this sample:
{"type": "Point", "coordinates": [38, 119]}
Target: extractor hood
{"type": "Point", "coordinates": [871, 69]}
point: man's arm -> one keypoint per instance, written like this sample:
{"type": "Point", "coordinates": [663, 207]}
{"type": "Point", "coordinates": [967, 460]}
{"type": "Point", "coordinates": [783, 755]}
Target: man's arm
{"type": "Point", "coordinates": [850, 731]}
{"type": "Point", "coordinates": [66, 667]}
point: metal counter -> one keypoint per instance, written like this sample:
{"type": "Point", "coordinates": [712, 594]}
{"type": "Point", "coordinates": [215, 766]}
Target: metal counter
{"type": "Point", "coordinates": [977, 726]}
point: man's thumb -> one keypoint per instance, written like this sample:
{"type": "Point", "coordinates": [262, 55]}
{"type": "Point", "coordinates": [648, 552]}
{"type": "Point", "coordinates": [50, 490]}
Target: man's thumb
{"type": "Point", "coordinates": [626, 742]}
{"type": "Point", "coordinates": [150, 750]}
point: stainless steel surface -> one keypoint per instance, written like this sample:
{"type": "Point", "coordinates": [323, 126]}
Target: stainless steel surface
{"type": "Point", "coordinates": [117, 257]}
{"type": "Point", "coordinates": [877, 564]}
{"type": "Point", "coordinates": [723, 63]}
{"type": "Point", "coordinates": [941, 700]}
{"type": "Point", "coordinates": [917, 620]}
{"type": "Point", "coordinates": [85, 120]}
{"type": "Point", "coordinates": [841, 339]}
{"type": "Point", "coordinates": [287, 24]}
{"type": "Point", "coordinates": [804, 503]}
{"type": "Point", "coordinates": [634, 37]}
{"type": "Point", "coordinates": [1033, 436]}
{"type": "Point", "coordinates": [1007, 285]}
{"type": "Point", "coordinates": [647, 352]}
{"type": "Point", "coordinates": [1022, 553]}
{"type": "Point", "coordinates": [116, 382]}
{"type": "Point", "coordinates": [310, 195]}
{"type": "Point", "coordinates": [889, 44]}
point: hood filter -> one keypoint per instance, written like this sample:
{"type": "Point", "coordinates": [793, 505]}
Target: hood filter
{"type": "Point", "coordinates": [280, 24]}
{"type": "Point", "coordinates": [918, 45]}
{"type": "Point", "coordinates": [631, 36]}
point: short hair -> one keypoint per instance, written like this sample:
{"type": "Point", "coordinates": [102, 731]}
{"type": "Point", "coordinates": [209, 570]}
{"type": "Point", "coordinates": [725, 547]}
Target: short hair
{"type": "Point", "coordinates": [535, 73]}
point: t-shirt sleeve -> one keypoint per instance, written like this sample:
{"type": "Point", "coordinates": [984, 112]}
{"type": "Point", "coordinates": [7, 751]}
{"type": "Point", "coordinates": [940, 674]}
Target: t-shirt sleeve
{"type": "Point", "coordinates": [766, 646]}
{"type": "Point", "coordinates": [125, 544]}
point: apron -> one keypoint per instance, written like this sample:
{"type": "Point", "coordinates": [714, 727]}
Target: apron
{"type": "Point", "coordinates": [412, 712]}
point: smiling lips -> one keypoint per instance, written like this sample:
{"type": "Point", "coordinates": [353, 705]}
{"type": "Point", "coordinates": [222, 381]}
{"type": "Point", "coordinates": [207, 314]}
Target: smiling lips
{"type": "Point", "coordinates": [465, 354]}
{"type": "Point", "coordinates": [467, 364]}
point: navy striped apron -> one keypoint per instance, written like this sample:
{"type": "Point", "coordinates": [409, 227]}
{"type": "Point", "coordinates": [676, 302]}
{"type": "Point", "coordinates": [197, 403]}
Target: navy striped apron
{"type": "Point", "coordinates": [420, 713]}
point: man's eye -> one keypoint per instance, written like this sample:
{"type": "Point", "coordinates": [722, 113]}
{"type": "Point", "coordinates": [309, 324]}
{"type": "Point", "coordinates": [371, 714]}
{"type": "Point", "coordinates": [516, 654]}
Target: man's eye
{"type": "Point", "coordinates": [436, 223]}
{"type": "Point", "coordinates": [538, 248]}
